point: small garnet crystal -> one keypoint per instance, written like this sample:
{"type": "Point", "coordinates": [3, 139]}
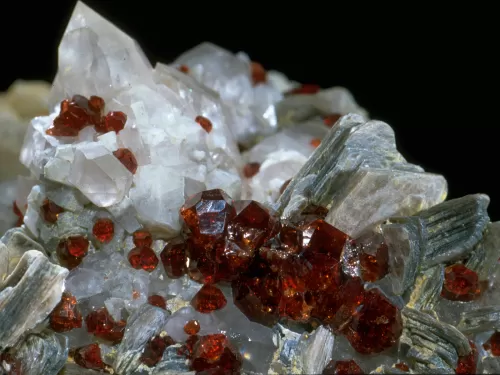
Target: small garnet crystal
{"type": "Point", "coordinates": [89, 357]}
{"type": "Point", "coordinates": [72, 250]}
{"type": "Point", "coordinates": [330, 120]}
{"type": "Point", "coordinates": [467, 363]}
{"type": "Point", "coordinates": [50, 211]}
{"type": "Point", "coordinates": [114, 121]}
{"type": "Point", "coordinates": [342, 368]}
{"type": "Point", "coordinates": [213, 354]}
{"type": "Point", "coordinates": [18, 213]}
{"type": "Point", "coordinates": [102, 325]}
{"type": "Point", "coordinates": [192, 327]}
{"type": "Point", "coordinates": [376, 326]}
{"type": "Point", "coordinates": [65, 315]}
{"type": "Point", "coordinates": [153, 352]}
{"type": "Point", "coordinates": [103, 230]}
{"type": "Point", "coordinates": [205, 123]}
{"type": "Point", "coordinates": [493, 344]}
{"type": "Point", "coordinates": [259, 74]}
{"type": "Point", "coordinates": [209, 298]}
{"type": "Point", "coordinates": [402, 366]}
{"type": "Point", "coordinates": [183, 69]}
{"type": "Point", "coordinates": [460, 284]}
{"type": "Point", "coordinates": [173, 258]}
{"type": "Point", "coordinates": [157, 301]}
{"type": "Point", "coordinates": [315, 142]}
{"type": "Point", "coordinates": [127, 158]}
{"type": "Point", "coordinates": [251, 169]}
{"type": "Point", "coordinates": [7, 361]}
{"type": "Point", "coordinates": [305, 89]}
{"type": "Point", "coordinates": [142, 237]}
{"type": "Point", "coordinates": [375, 267]}
{"type": "Point", "coordinates": [143, 258]}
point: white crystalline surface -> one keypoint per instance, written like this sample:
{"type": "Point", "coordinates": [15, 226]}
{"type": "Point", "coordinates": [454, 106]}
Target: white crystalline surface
{"type": "Point", "coordinates": [175, 155]}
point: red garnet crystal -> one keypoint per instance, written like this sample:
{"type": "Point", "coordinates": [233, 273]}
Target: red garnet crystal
{"type": "Point", "coordinates": [103, 230]}
{"type": "Point", "coordinates": [102, 325]}
{"type": "Point", "coordinates": [207, 214]}
{"type": "Point", "coordinates": [50, 211]}
{"type": "Point", "coordinates": [342, 368]}
{"type": "Point", "coordinates": [153, 352]}
{"type": "Point", "coordinates": [173, 258]}
{"type": "Point", "coordinates": [10, 364]}
{"type": "Point", "coordinates": [76, 114]}
{"type": "Point", "coordinates": [460, 284]}
{"type": "Point", "coordinates": [188, 347]}
{"type": "Point", "coordinates": [142, 237]}
{"type": "Point", "coordinates": [183, 69]}
{"type": "Point", "coordinates": [114, 121]}
{"type": "Point", "coordinates": [143, 258]}
{"type": "Point", "coordinates": [18, 213]}
{"type": "Point", "coordinates": [89, 357]}
{"type": "Point", "coordinates": [493, 344]}
{"type": "Point", "coordinates": [259, 74]}
{"type": "Point", "coordinates": [467, 363]}
{"type": "Point", "coordinates": [306, 89]}
{"type": "Point", "coordinates": [65, 315]}
{"type": "Point", "coordinates": [209, 298]}
{"type": "Point", "coordinates": [213, 354]}
{"type": "Point", "coordinates": [330, 120]}
{"type": "Point", "coordinates": [127, 158]}
{"type": "Point", "coordinates": [251, 169]}
{"type": "Point", "coordinates": [192, 327]}
{"type": "Point", "coordinates": [72, 250]}
{"type": "Point", "coordinates": [315, 142]}
{"type": "Point", "coordinates": [376, 326]}
{"type": "Point", "coordinates": [375, 267]}
{"type": "Point", "coordinates": [157, 301]}
{"type": "Point", "coordinates": [205, 123]}
{"type": "Point", "coordinates": [402, 366]}
{"type": "Point", "coordinates": [319, 237]}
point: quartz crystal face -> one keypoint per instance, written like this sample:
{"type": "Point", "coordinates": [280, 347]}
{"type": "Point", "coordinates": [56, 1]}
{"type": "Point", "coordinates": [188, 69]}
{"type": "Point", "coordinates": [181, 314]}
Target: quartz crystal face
{"type": "Point", "coordinates": [211, 216]}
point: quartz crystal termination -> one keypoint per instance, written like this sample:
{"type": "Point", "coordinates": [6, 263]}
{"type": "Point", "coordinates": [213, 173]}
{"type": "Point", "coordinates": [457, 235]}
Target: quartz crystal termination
{"type": "Point", "coordinates": [153, 187]}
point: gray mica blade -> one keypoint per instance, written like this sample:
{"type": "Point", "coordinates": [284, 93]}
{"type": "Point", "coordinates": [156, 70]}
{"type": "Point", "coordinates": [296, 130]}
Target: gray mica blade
{"type": "Point", "coordinates": [427, 289]}
{"type": "Point", "coordinates": [484, 257]}
{"type": "Point", "coordinates": [146, 322]}
{"type": "Point", "coordinates": [50, 350]}
{"type": "Point", "coordinates": [172, 362]}
{"type": "Point", "coordinates": [453, 228]}
{"type": "Point", "coordinates": [480, 320]}
{"type": "Point", "coordinates": [28, 295]}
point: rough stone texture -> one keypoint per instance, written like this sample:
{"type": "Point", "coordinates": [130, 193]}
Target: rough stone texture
{"type": "Point", "coordinates": [480, 320]}
{"type": "Point", "coordinates": [44, 353]}
{"type": "Point", "coordinates": [28, 295]}
{"type": "Point", "coordinates": [358, 162]}
{"type": "Point", "coordinates": [452, 228]}
{"type": "Point", "coordinates": [147, 322]}
{"type": "Point", "coordinates": [427, 289]}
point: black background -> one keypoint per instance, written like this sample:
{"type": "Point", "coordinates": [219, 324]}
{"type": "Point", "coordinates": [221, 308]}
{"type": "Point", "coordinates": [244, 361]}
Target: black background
{"type": "Point", "coordinates": [431, 73]}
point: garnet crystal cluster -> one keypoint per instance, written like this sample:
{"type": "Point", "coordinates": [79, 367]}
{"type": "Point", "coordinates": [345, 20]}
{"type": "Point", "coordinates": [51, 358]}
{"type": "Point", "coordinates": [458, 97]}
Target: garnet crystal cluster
{"type": "Point", "coordinates": [215, 217]}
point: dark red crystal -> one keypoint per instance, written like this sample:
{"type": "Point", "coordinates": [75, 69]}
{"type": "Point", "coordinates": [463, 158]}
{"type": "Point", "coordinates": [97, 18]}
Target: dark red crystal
{"type": "Point", "coordinates": [153, 352]}
{"type": "Point", "coordinates": [143, 258]}
{"type": "Point", "coordinates": [103, 230]}
{"type": "Point", "coordinates": [65, 315]}
{"type": "Point", "coordinates": [460, 284]}
{"type": "Point", "coordinates": [192, 327]}
{"type": "Point", "coordinates": [209, 298]}
{"type": "Point", "coordinates": [72, 250]}
{"type": "Point", "coordinates": [258, 73]}
{"type": "Point", "coordinates": [375, 267]}
{"type": "Point", "coordinates": [213, 354]}
{"type": "Point", "coordinates": [89, 357]}
{"type": "Point", "coordinates": [14, 365]}
{"type": "Point", "coordinates": [127, 158]}
{"type": "Point", "coordinates": [467, 364]}
{"type": "Point", "coordinates": [101, 324]}
{"type": "Point", "coordinates": [174, 259]}
{"type": "Point", "coordinates": [305, 89]}
{"type": "Point", "coordinates": [50, 211]}
{"type": "Point", "coordinates": [493, 344]}
{"type": "Point", "coordinates": [142, 238]}
{"type": "Point", "coordinates": [205, 123]}
{"type": "Point", "coordinates": [157, 301]}
{"type": "Point", "coordinates": [330, 120]}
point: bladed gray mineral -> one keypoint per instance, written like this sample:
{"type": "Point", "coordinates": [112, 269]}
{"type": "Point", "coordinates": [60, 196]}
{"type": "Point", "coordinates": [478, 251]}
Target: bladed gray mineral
{"type": "Point", "coordinates": [480, 320]}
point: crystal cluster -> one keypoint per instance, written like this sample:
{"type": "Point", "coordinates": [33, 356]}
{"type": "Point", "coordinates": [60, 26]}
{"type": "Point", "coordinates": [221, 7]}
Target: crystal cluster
{"type": "Point", "coordinates": [209, 216]}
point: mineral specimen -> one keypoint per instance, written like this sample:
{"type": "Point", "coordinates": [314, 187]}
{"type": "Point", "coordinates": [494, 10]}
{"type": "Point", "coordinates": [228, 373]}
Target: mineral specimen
{"type": "Point", "coordinates": [212, 217]}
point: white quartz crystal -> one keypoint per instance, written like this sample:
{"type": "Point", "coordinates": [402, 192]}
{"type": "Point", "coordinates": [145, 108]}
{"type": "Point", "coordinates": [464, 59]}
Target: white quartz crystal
{"type": "Point", "coordinates": [175, 155]}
